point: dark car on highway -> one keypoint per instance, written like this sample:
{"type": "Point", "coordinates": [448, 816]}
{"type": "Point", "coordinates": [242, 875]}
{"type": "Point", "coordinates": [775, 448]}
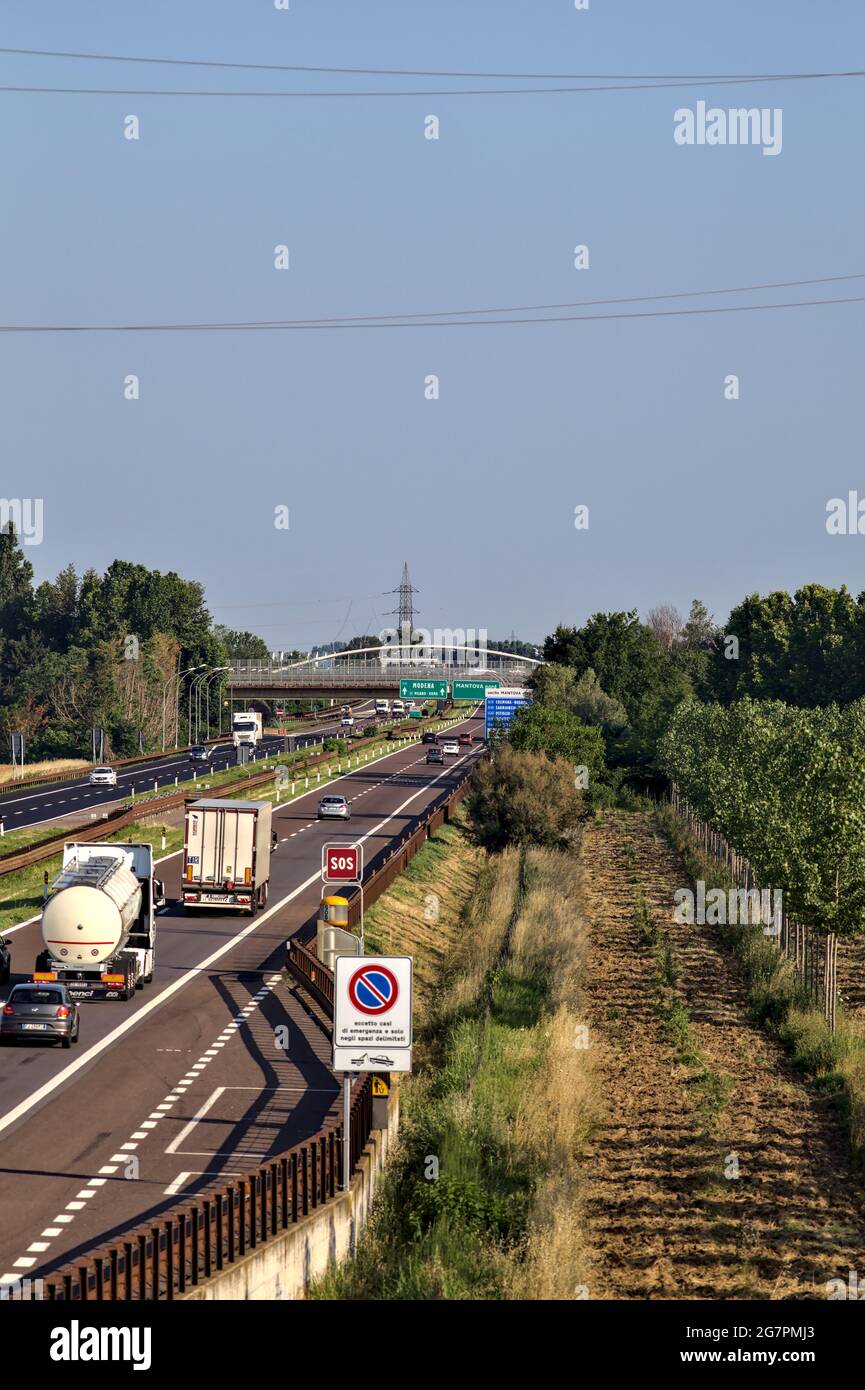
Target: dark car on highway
{"type": "Point", "coordinates": [435, 755]}
{"type": "Point", "coordinates": [40, 1013]}
{"type": "Point", "coordinates": [464, 738]}
{"type": "Point", "coordinates": [427, 736]}
{"type": "Point", "coordinates": [5, 960]}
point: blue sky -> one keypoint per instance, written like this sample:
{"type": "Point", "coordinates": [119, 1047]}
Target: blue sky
{"type": "Point", "coordinates": [689, 494]}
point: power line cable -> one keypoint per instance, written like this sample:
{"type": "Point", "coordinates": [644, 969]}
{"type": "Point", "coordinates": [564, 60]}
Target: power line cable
{"type": "Point", "coordinates": [426, 323]}
{"type": "Point", "coordinates": [416, 72]}
{"type": "Point", "coordinates": [423, 92]}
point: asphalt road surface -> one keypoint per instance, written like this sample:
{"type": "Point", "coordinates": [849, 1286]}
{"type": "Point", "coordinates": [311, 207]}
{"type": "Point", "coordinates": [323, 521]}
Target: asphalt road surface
{"type": "Point", "coordinates": [65, 800]}
{"type": "Point", "coordinates": [196, 1078]}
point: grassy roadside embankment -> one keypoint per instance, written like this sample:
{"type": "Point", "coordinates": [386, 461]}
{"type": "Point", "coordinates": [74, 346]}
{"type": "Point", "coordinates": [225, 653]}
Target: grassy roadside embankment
{"type": "Point", "coordinates": [482, 1199]}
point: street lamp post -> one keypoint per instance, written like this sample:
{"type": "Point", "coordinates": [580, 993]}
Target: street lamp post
{"type": "Point", "coordinates": [192, 687]}
{"type": "Point", "coordinates": [207, 681]}
{"type": "Point", "coordinates": [175, 676]}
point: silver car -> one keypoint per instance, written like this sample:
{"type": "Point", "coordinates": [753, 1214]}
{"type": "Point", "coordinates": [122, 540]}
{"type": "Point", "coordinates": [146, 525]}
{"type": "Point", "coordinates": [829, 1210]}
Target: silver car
{"type": "Point", "coordinates": [40, 1013]}
{"type": "Point", "coordinates": [334, 808]}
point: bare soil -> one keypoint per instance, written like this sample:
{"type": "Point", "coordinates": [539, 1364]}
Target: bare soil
{"type": "Point", "coordinates": [664, 1220]}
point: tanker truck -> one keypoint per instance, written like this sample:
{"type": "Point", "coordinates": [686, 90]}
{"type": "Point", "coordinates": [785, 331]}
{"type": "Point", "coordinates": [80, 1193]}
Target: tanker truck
{"type": "Point", "coordinates": [98, 924]}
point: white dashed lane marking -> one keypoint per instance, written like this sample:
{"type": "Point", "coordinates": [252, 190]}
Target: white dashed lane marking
{"type": "Point", "coordinates": [126, 1151]}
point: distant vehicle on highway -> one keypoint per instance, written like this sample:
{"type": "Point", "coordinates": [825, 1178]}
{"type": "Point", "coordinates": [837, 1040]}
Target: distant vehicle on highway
{"type": "Point", "coordinates": [435, 755]}
{"type": "Point", "coordinates": [200, 754]}
{"type": "Point", "coordinates": [347, 721]}
{"type": "Point", "coordinates": [5, 960]}
{"type": "Point", "coordinates": [428, 736]}
{"type": "Point", "coordinates": [334, 807]}
{"type": "Point", "coordinates": [464, 738]}
{"type": "Point", "coordinates": [103, 777]}
{"type": "Point", "coordinates": [246, 728]}
{"type": "Point", "coordinates": [450, 746]}
{"type": "Point", "coordinates": [40, 1013]}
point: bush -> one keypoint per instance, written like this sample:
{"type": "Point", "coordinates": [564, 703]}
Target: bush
{"type": "Point", "coordinates": [370, 731]}
{"type": "Point", "coordinates": [525, 798]}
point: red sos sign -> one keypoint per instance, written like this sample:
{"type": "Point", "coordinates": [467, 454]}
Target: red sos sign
{"type": "Point", "coordinates": [342, 863]}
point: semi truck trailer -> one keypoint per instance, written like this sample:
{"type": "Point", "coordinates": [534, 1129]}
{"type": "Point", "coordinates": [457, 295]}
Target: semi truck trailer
{"type": "Point", "coordinates": [98, 924]}
{"type": "Point", "coordinates": [226, 854]}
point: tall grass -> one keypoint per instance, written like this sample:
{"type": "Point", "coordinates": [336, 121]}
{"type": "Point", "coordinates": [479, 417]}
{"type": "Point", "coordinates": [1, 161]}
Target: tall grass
{"type": "Point", "coordinates": [483, 1197]}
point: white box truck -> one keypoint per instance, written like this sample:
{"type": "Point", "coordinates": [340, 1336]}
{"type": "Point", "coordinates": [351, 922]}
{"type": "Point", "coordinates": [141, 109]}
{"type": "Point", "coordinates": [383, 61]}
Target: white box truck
{"type": "Point", "coordinates": [98, 925]}
{"type": "Point", "coordinates": [226, 854]}
{"type": "Point", "coordinates": [397, 709]}
{"type": "Point", "coordinates": [382, 708]}
{"type": "Point", "coordinates": [246, 728]}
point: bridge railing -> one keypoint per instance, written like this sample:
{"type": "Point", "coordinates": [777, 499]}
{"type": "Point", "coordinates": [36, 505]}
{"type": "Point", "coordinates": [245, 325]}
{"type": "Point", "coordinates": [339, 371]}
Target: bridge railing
{"type": "Point", "coordinates": [345, 673]}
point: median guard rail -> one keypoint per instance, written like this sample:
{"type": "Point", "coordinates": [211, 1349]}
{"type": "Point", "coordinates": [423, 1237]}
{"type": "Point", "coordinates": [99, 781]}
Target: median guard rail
{"type": "Point", "coordinates": [161, 1259]}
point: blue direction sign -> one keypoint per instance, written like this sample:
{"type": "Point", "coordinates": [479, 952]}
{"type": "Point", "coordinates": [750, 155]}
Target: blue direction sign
{"type": "Point", "coordinates": [501, 705]}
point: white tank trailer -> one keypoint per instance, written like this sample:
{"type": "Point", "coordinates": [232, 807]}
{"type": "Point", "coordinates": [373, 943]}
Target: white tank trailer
{"type": "Point", "coordinates": [98, 925]}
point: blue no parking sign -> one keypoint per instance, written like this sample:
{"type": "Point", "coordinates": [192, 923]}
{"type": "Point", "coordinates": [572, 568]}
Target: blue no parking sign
{"type": "Point", "coordinates": [373, 990]}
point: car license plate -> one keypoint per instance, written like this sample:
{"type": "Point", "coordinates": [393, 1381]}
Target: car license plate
{"type": "Point", "coordinates": [38, 1026]}
{"type": "Point", "coordinates": [218, 898]}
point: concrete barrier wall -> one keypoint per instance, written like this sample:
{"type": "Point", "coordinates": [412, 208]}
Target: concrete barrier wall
{"type": "Point", "coordinates": [286, 1265]}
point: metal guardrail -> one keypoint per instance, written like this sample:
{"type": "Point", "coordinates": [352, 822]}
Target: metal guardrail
{"type": "Point", "coordinates": [161, 1260]}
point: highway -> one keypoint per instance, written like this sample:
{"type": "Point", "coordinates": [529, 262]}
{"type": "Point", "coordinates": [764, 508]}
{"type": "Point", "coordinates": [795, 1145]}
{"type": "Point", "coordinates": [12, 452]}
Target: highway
{"type": "Point", "coordinates": [63, 800]}
{"type": "Point", "coordinates": [188, 1082]}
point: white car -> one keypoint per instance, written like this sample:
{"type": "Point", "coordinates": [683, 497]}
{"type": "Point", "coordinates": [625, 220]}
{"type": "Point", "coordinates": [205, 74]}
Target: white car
{"type": "Point", "coordinates": [334, 807]}
{"type": "Point", "coordinates": [348, 721]}
{"type": "Point", "coordinates": [103, 777]}
{"type": "Point", "coordinates": [451, 746]}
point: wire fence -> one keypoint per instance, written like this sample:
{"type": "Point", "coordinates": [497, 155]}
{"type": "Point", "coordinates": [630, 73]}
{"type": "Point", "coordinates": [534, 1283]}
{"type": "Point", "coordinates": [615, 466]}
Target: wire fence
{"type": "Point", "coordinates": [813, 954]}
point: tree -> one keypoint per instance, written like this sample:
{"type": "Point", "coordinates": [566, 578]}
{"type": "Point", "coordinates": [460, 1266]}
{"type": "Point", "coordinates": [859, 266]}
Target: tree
{"type": "Point", "coordinates": [524, 798]}
{"type": "Point", "coordinates": [557, 732]}
{"type": "Point", "coordinates": [241, 645]}
{"type": "Point", "coordinates": [593, 705]}
{"type": "Point", "coordinates": [665, 624]}
{"type": "Point", "coordinates": [16, 599]}
{"type": "Point", "coordinates": [553, 684]}
{"type": "Point", "coordinates": [806, 650]}
{"type": "Point", "coordinates": [700, 631]}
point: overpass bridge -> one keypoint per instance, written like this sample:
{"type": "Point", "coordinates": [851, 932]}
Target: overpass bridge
{"type": "Point", "coordinates": [367, 673]}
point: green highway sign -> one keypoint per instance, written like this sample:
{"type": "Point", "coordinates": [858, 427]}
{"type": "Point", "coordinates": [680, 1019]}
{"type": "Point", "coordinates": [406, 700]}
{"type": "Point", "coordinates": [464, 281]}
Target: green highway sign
{"type": "Point", "coordinates": [473, 690]}
{"type": "Point", "coordinates": [414, 714]}
{"type": "Point", "coordinates": [423, 690]}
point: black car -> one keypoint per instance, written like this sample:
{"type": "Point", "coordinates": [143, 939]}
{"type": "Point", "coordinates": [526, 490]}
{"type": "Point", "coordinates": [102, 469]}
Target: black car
{"type": "Point", "coordinates": [435, 755]}
{"type": "Point", "coordinates": [5, 960]}
{"type": "Point", "coordinates": [428, 736]}
{"type": "Point", "coordinates": [40, 1013]}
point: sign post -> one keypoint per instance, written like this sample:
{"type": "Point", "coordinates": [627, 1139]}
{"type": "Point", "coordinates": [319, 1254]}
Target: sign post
{"type": "Point", "coordinates": [343, 864]}
{"type": "Point", "coordinates": [346, 1130]}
